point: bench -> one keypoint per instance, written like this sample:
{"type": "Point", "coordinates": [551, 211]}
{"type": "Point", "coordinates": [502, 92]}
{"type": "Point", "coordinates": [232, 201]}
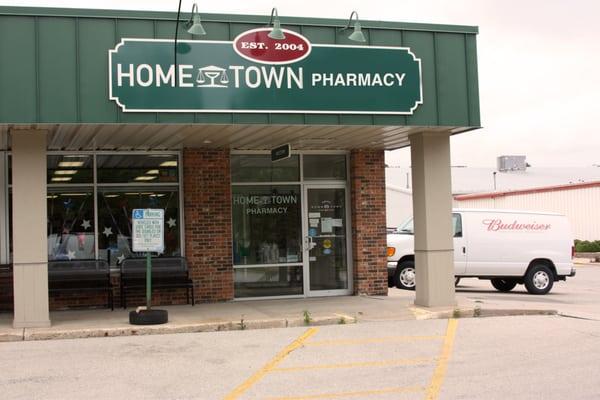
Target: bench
{"type": "Point", "coordinates": [167, 273]}
{"type": "Point", "coordinates": [80, 276]}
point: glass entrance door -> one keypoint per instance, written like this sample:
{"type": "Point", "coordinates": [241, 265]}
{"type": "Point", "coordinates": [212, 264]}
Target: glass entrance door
{"type": "Point", "coordinates": [326, 240]}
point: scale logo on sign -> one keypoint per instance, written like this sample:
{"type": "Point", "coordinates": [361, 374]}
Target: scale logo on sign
{"type": "Point", "coordinates": [148, 230]}
{"type": "Point", "coordinates": [255, 73]}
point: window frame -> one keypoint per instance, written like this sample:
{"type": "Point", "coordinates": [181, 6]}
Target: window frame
{"type": "Point", "coordinates": [95, 185]}
{"type": "Point", "coordinates": [301, 182]}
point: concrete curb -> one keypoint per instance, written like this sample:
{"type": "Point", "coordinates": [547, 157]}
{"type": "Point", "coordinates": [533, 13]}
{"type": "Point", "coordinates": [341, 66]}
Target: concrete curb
{"type": "Point", "coordinates": [139, 330]}
{"type": "Point", "coordinates": [10, 337]}
{"type": "Point", "coordinates": [476, 312]}
{"type": "Point", "coordinates": [30, 334]}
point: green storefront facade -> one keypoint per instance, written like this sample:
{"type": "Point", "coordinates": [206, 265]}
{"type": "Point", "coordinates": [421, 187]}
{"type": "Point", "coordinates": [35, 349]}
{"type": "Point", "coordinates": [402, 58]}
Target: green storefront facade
{"type": "Point", "coordinates": [56, 85]}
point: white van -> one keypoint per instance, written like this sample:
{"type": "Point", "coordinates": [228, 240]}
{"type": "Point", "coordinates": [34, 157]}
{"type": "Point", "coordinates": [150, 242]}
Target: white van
{"type": "Point", "coordinates": [507, 247]}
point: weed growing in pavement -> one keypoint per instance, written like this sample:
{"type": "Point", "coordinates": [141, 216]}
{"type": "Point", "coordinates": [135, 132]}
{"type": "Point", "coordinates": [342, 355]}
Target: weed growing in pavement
{"type": "Point", "coordinates": [477, 311]}
{"type": "Point", "coordinates": [342, 321]}
{"type": "Point", "coordinates": [242, 324]}
{"type": "Point", "coordinates": [307, 317]}
{"type": "Point", "coordinates": [456, 313]}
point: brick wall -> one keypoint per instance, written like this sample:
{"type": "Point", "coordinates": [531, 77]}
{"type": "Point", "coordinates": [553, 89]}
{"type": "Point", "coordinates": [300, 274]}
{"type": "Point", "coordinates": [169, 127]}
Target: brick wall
{"type": "Point", "coordinates": [207, 211]}
{"type": "Point", "coordinates": [89, 299]}
{"type": "Point", "coordinates": [207, 208]}
{"type": "Point", "coordinates": [367, 180]}
{"type": "Point", "coordinates": [207, 214]}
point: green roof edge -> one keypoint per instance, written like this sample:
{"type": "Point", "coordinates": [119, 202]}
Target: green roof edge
{"type": "Point", "coordinates": [236, 18]}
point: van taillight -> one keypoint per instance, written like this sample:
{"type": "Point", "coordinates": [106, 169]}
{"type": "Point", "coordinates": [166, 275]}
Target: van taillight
{"type": "Point", "coordinates": [572, 251]}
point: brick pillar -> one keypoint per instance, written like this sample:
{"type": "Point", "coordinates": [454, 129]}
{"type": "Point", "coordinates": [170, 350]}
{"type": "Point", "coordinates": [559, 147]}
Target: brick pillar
{"type": "Point", "coordinates": [367, 178]}
{"type": "Point", "coordinates": [207, 208]}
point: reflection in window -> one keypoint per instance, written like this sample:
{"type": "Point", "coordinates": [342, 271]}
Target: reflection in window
{"type": "Point", "coordinates": [266, 225]}
{"type": "Point", "coordinates": [70, 224]}
{"type": "Point", "coordinates": [320, 167]}
{"type": "Point", "coordinates": [132, 168]}
{"type": "Point", "coordinates": [66, 169]}
{"type": "Point", "coordinates": [268, 281]}
{"type": "Point", "coordinates": [114, 220]}
{"type": "Point", "coordinates": [260, 168]}
{"type": "Point", "coordinates": [457, 225]}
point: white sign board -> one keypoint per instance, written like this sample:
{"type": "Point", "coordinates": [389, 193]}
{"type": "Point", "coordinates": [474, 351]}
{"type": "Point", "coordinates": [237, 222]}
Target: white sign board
{"type": "Point", "coordinates": [148, 230]}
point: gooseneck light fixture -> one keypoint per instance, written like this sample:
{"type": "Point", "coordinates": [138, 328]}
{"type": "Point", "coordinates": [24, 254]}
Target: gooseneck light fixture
{"type": "Point", "coordinates": [357, 35]}
{"type": "Point", "coordinates": [276, 33]}
{"type": "Point", "coordinates": [193, 25]}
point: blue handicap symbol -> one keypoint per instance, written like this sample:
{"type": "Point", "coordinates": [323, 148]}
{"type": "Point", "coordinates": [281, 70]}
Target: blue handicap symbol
{"type": "Point", "coordinates": [138, 214]}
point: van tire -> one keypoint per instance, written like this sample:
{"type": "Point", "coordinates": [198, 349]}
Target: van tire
{"type": "Point", "coordinates": [504, 285]}
{"type": "Point", "coordinates": [539, 279]}
{"type": "Point", "coordinates": [404, 277]}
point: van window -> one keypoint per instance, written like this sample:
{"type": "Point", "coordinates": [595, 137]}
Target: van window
{"type": "Point", "coordinates": [407, 227]}
{"type": "Point", "coordinates": [457, 225]}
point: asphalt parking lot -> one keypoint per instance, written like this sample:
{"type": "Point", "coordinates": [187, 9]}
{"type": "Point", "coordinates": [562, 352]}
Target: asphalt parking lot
{"type": "Point", "coordinates": [338, 362]}
{"type": "Point", "coordinates": [578, 296]}
{"type": "Point", "coordinates": [532, 357]}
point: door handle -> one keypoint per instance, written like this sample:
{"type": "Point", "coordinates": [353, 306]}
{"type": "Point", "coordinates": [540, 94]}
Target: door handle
{"type": "Point", "coordinates": [464, 249]}
{"type": "Point", "coordinates": [308, 243]}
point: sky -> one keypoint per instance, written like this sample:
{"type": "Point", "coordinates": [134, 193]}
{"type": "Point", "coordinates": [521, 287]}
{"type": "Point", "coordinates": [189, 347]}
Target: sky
{"type": "Point", "coordinates": [538, 60]}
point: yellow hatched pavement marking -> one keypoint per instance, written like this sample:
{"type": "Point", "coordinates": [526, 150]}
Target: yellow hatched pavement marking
{"type": "Point", "coordinates": [433, 391]}
{"type": "Point", "coordinates": [238, 391]}
{"type": "Point", "coordinates": [407, 361]}
{"type": "Point", "coordinates": [408, 389]}
{"type": "Point", "coordinates": [384, 339]}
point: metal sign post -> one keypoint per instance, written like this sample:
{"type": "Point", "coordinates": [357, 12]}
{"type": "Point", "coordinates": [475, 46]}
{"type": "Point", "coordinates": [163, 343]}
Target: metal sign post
{"type": "Point", "coordinates": [148, 280]}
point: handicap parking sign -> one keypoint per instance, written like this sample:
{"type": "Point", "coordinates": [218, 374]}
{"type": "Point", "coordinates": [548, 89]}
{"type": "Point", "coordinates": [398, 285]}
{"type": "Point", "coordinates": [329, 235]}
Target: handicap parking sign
{"type": "Point", "coordinates": [148, 230]}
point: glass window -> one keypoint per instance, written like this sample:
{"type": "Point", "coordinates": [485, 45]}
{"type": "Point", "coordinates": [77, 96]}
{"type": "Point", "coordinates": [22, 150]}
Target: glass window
{"type": "Point", "coordinates": [9, 168]}
{"type": "Point", "coordinates": [321, 167]}
{"type": "Point", "coordinates": [114, 220]}
{"type": "Point", "coordinates": [128, 168]}
{"type": "Point", "coordinates": [457, 225]}
{"type": "Point", "coordinates": [260, 168]}
{"type": "Point", "coordinates": [327, 231]}
{"type": "Point", "coordinates": [266, 225]}
{"type": "Point", "coordinates": [268, 281]}
{"type": "Point", "coordinates": [65, 169]}
{"type": "Point", "coordinates": [70, 224]}
{"type": "Point", "coordinates": [4, 211]}
{"type": "Point", "coordinates": [407, 227]}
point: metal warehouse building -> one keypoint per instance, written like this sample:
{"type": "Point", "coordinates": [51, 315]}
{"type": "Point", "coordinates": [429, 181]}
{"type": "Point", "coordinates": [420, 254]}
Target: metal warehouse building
{"type": "Point", "coordinates": [580, 202]}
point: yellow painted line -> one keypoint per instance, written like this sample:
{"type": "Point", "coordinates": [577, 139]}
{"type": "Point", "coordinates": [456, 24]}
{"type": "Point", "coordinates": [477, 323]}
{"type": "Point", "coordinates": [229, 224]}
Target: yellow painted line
{"type": "Point", "coordinates": [408, 389]}
{"type": "Point", "coordinates": [433, 391]}
{"type": "Point", "coordinates": [384, 339]}
{"type": "Point", "coordinates": [238, 391]}
{"type": "Point", "coordinates": [407, 361]}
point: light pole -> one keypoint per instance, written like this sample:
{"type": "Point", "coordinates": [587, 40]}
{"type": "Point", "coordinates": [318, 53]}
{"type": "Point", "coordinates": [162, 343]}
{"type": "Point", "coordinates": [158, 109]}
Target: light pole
{"type": "Point", "coordinates": [494, 174]}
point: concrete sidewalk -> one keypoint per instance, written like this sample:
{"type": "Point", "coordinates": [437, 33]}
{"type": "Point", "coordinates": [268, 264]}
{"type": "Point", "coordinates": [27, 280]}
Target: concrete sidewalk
{"type": "Point", "coordinates": [254, 314]}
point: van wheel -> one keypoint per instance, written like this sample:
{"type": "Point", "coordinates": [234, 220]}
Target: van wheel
{"type": "Point", "coordinates": [539, 279]}
{"type": "Point", "coordinates": [404, 277]}
{"type": "Point", "coordinates": [504, 285]}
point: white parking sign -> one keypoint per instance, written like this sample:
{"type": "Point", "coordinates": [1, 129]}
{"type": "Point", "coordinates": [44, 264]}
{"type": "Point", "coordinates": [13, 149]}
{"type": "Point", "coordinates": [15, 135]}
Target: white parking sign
{"type": "Point", "coordinates": [148, 230]}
